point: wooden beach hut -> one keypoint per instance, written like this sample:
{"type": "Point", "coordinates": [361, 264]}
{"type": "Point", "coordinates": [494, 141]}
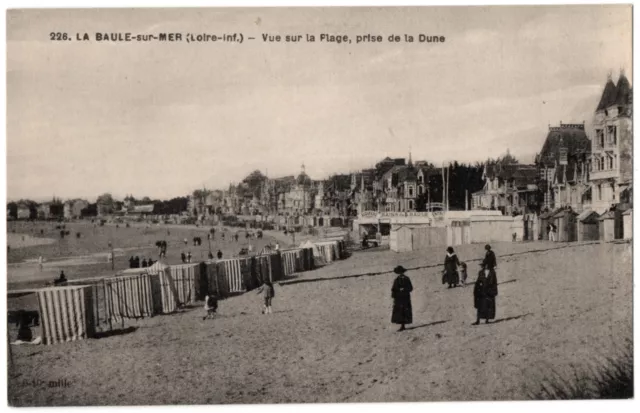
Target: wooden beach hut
{"type": "Point", "coordinates": [565, 222]}
{"type": "Point", "coordinates": [588, 226]}
{"type": "Point", "coordinates": [607, 226]}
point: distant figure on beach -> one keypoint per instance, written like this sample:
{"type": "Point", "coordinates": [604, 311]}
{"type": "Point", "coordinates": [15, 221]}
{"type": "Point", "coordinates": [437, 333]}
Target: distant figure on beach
{"type": "Point", "coordinates": [136, 262]}
{"type": "Point", "coordinates": [149, 262]}
{"type": "Point", "coordinates": [250, 248]}
{"type": "Point", "coordinates": [210, 306]}
{"type": "Point", "coordinates": [484, 294]}
{"type": "Point", "coordinates": [61, 280]}
{"type": "Point", "coordinates": [40, 263]}
{"type": "Point", "coordinates": [401, 293]}
{"type": "Point", "coordinates": [183, 257]}
{"type": "Point", "coordinates": [277, 247]}
{"type": "Point", "coordinates": [144, 262]}
{"type": "Point", "coordinates": [269, 293]}
{"type": "Point", "coordinates": [552, 232]}
{"type": "Point", "coordinates": [186, 241]}
{"type": "Point", "coordinates": [489, 258]}
{"type": "Point", "coordinates": [189, 256]}
{"type": "Point", "coordinates": [451, 264]}
{"type": "Point", "coordinates": [219, 254]}
{"type": "Point", "coordinates": [463, 273]}
{"type": "Point", "coordinates": [235, 236]}
{"type": "Point", "coordinates": [210, 255]}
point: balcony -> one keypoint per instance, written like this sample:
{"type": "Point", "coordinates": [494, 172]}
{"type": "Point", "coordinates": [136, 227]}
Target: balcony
{"type": "Point", "coordinates": [606, 174]}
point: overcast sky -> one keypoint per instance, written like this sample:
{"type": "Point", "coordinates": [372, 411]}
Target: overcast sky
{"type": "Point", "coordinates": [162, 119]}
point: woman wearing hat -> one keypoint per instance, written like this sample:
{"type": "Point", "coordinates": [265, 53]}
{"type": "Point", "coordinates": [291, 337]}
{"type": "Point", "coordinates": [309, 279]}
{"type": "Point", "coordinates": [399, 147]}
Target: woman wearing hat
{"type": "Point", "coordinates": [485, 293]}
{"type": "Point", "coordinates": [401, 294]}
{"type": "Point", "coordinates": [489, 258]}
{"type": "Point", "coordinates": [451, 264]}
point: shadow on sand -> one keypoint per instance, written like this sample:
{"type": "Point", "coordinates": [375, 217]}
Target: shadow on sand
{"type": "Point", "coordinates": [428, 324]}
{"type": "Point", "coordinates": [500, 320]}
{"type": "Point", "coordinates": [112, 333]}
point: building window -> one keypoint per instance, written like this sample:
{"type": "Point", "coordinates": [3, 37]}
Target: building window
{"type": "Point", "coordinates": [600, 137]}
{"type": "Point", "coordinates": [613, 192]}
{"type": "Point", "coordinates": [410, 204]}
{"type": "Point", "coordinates": [599, 192]}
{"type": "Point", "coordinates": [410, 191]}
{"type": "Point", "coordinates": [611, 135]}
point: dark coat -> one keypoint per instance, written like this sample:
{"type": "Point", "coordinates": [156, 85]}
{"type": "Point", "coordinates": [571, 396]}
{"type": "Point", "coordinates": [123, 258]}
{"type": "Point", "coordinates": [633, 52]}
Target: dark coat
{"type": "Point", "coordinates": [484, 295]}
{"type": "Point", "coordinates": [490, 260]}
{"type": "Point", "coordinates": [451, 263]}
{"type": "Point", "coordinates": [401, 294]}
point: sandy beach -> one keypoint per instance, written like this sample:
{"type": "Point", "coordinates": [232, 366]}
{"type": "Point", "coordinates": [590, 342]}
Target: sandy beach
{"type": "Point", "coordinates": [330, 338]}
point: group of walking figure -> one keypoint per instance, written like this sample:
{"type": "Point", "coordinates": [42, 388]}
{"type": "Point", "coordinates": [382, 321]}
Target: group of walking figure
{"type": "Point", "coordinates": [454, 274]}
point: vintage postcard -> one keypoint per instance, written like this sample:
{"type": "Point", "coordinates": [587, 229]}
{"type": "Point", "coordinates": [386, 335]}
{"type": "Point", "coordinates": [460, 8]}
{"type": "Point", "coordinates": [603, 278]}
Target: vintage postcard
{"type": "Point", "coordinates": [319, 205]}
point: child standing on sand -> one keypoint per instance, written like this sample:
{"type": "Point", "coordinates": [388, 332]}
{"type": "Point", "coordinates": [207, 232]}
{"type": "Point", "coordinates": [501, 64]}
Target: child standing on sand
{"type": "Point", "coordinates": [463, 273]}
{"type": "Point", "coordinates": [268, 294]}
{"type": "Point", "coordinates": [210, 306]}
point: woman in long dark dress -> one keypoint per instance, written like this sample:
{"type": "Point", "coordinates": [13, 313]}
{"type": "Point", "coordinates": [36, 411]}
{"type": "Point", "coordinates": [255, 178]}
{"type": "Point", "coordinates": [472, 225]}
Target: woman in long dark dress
{"type": "Point", "coordinates": [451, 264]}
{"type": "Point", "coordinates": [484, 294]}
{"type": "Point", "coordinates": [401, 294]}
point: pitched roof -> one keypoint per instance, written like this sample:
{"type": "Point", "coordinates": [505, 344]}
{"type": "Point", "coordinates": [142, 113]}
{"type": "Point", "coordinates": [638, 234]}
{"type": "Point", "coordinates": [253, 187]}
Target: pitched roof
{"type": "Point", "coordinates": [608, 95]}
{"type": "Point", "coordinates": [525, 175]}
{"type": "Point", "coordinates": [623, 92]}
{"type": "Point", "coordinates": [522, 174]}
{"type": "Point", "coordinates": [588, 216]}
{"type": "Point", "coordinates": [407, 174]}
{"type": "Point", "coordinates": [607, 215]}
{"type": "Point", "coordinates": [571, 137]}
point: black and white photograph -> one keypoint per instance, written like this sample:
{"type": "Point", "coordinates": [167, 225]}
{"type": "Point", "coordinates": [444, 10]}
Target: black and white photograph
{"type": "Point", "coordinates": [303, 205]}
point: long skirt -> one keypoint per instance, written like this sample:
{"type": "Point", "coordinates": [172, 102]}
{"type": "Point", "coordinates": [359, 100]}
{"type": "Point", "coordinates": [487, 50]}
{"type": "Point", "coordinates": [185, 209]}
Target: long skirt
{"type": "Point", "coordinates": [486, 308]}
{"type": "Point", "coordinates": [451, 278]}
{"type": "Point", "coordinates": [402, 312]}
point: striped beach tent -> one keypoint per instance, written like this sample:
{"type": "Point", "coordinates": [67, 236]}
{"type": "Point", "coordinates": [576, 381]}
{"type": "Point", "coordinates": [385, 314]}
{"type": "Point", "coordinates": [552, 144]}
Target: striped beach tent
{"type": "Point", "coordinates": [276, 272]}
{"type": "Point", "coordinates": [318, 256]}
{"type": "Point", "coordinates": [250, 273]}
{"type": "Point", "coordinates": [186, 278]}
{"type": "Point", "coordinates": [65, 313]}
{"type": "Point", "coordinates": [289, 259]}
{"type": "Point", "coordinates": [232, 270]}
{"type": "Point", "coordinates": [163, 288]}
{"type": "Point", "coordinates": [128, 296]}
{"type": "Point", "coordinates": [308, 263]}
{"type": "Point", "coordinates": [327, 251]}
{"type": "Point", "coordinates": [203, 282]}
{"type": "Point", "coordinates": [100, 308]}
{"type": "Point", "coordinates": [215, 279]}
{"type": "Point", "coordinates": [261, 268]}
